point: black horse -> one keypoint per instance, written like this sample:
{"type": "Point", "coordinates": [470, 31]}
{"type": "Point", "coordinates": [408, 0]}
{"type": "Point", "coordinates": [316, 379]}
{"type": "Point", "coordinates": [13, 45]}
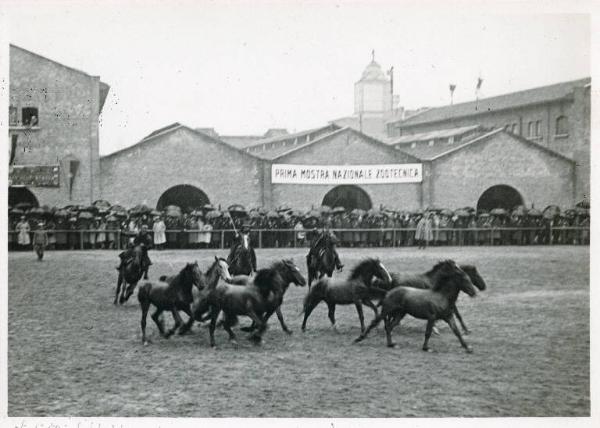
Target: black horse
{"type": "Point", "coordinates": [176, 294]}
{"type": "Point", "coordinates": [241, 259]}
{"type": "Point", "coordinates": [357, 290]}
{"type": "Point", "coordinates": [423, 302]}
{"type": "Point", "coordinates": [130, 273]}
{"type": "Point", "coordinates": [470, 270]}
{"type": "Point", "coordinates": [290, 274]}
{"type": "Point", "coordinates": [258, 299]}
{"type": "Point", "coordinates": [320, 264]}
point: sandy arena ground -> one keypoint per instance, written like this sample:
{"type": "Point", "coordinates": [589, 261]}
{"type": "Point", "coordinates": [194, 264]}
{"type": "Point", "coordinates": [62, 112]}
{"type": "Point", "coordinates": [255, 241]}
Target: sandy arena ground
{"type": "Point", "coordinates": [72, 353]}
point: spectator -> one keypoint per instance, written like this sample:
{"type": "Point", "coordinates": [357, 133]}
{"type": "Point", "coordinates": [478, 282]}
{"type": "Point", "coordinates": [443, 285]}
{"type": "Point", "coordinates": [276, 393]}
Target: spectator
{"type": "Point", "coordinates": [159, 229]}
{"type": "Point", "coordinates": [23, 228]}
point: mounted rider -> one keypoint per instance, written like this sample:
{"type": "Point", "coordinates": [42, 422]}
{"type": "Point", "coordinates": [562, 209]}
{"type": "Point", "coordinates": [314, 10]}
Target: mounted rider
{"type": "Point", "coordinates": [143, 238]}
{"type": "Point", "coordinates": [242, 241]}
{"type": "Point", "coordinates": [325, 239]}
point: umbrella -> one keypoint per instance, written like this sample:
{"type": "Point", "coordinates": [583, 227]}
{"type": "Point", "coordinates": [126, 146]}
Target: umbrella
{"type": "Point", "coordinates": [583, 204]}
{"type": "Point", "coordinates": [446, 212]}
{"type": "Point", "coordinates": [498, 211]}
{"type": "Point", "coordinates": [236, 207]}
{"type": "Point", "coordinates": [338, 210]}
{"type": "Point", "coordinates": [325, 209]}
{"type": "Point", "coordinates": [534, 213]}
{"type": "Point", "coordinates": [213, 214]}
{"type": "Point", "coordinates": [207, 207]}
{"type": "Point", "coordinates": [254, 214]}
{"type": "Point", "coordinates": [313, 214]}
{"type": "Point", "coordinates": [295, 213]}
{"type": "Point", "coordinates": [111, 218]}
{"type": "Point", "coordinates": [272, 214]}
{"type": "Point", "coordinates": [141, 209]}
{"type": "Point", "coordinates": [36, 211]}
{"type": "Point", "coordinates": [172, 207]}
{"type": "Point", "coordinates": [519, 210]}
{"type": "Point", "coordinates": [24, 205]}
{"type": "Point", "coordinates": [462, 213]}
{"type": "Point", "coordinates": [551, 211]}
{"type": "Point", "coordinates": [61, 213]}
{"type": "Point", "coordinates": [283, 208]}
{"type": "Point", "coordinates": [16, 211]}
{"type": "Point", "coordinates": [90, 208]}
{"type": "Point", "coordinates": [86, 215]}
{"type": "Point", "coordinates": [358, 212]}
{"type": "Point", "coordinates": [484, 215]}
{"type": "Point", "coordinates": [101, 205]}
{"type": "Point", "coordinates": [155, 213]}
{"type": "Point", "coordinates": [197, 213]}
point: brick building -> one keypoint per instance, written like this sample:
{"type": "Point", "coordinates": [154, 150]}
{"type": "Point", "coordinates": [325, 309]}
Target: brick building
{"type": "Point", "coordinates": [53, 131]}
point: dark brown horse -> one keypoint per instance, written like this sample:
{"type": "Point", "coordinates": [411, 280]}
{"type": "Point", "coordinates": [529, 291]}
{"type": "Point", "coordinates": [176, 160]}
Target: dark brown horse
{"type": "Point", "coordinates": [470, 270]}
{"type": "Point", "coordinates": [176, 294]}
{"type": "Point", "coordinates": [258, 299]}
{"type": "Point", "coordinates": [414, 298]}
{"type": "Point", "coordinates": [357, 290]}
{"type": "Point", "coordinates": [130, 273]}
{"type": "Point", "coordinates": [320, 264]}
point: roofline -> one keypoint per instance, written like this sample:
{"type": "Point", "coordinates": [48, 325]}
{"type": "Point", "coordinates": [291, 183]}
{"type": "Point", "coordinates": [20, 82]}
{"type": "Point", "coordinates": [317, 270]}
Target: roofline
{"type": "Point", "coordinates": [55, 62]}
{"type": "Point", "coordinates": [173, 129]}
{"type": "Point", "coordinates": [287, 136]}
{"type": "Point", "coordinates": [466, 129]}
{"type": "Point", "coordinates": [339, 131]}
{"type": "Point", "coordinates": [549, 100]}
{"type": "Point", "coordinates": [498, 131]}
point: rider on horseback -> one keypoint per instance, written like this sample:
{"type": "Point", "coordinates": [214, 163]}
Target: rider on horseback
{"type": "Point", "coordinates": [324, 240]}
{"type": "Point", "coordinates": [241, 241]}
{"type": "Point", "coordinates": [144, 239]}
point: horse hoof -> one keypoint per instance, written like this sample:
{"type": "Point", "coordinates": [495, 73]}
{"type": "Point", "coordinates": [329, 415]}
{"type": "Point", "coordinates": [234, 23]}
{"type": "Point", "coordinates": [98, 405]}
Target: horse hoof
{"type": "Point", "coordinates": [289, 332]}
{"type": "Point", "coordinates": [435, 331]}
{"type": "Point", "coordinates": [469, 350]}
{"type": "Point", "coordinates": [391, 345]}
{"type": "Point", "coordinates": [358, 339]}
{"type": "Point", "coordinates": [146, 343]}
{"type": "Point", "coordinates": [426, 349]}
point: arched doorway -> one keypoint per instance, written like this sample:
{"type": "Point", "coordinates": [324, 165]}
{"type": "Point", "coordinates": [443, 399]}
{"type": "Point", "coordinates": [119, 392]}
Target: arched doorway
{"type": "Point", "coordinates": [187, 197]}
{"type": "Point", "coordinates": [19, 195]}
{"type": "Point", "coordinates": [500, 196]}
{"type": "Point", "coordinates": [349, 197]}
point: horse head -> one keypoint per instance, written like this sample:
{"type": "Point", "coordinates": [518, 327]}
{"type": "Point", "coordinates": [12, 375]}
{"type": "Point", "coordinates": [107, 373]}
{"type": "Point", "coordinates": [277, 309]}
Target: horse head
{"type": "Point", "coordinates": [369, 268]}
{"type": "Point", "coordinates": [448, 273]}
{"type": "Point", "coordinates": [194, 275]}
{"type": "Point", "coordinates": [138, 253]}
{"type": "Point", "coordinates": [474, 276]}
{"type": "Point", "coordinates": [291, 273]}
{"type": "Point", "coordinates": [222, 268]}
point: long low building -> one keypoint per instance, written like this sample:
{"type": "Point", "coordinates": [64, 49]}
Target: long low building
{"type": "Point", "coordinates": [55, 160]}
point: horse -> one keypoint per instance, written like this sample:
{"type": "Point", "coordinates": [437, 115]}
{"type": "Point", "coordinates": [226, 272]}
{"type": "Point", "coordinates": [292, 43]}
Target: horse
{"type": "Point", "coordinates": [130, 273]}
{"type": "Point", "coordinates": [257, 299]}
{"type": "Point", "coordinates": [357, 290]}
{"type": "Point", "coordinates": [321, 264]}
{"type": "Point", "coordinates": [470, 270]}
{"type": "Point", "coordinates": [176, 294]}
{"type": "Point", "coordinates": [240, 259]}
{"type": "Point", "coordinates": [424, 302]}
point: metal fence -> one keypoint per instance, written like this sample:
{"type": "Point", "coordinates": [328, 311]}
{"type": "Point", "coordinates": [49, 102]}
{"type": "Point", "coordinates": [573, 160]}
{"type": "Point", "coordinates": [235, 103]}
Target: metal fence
{"type": "Point", "coordinates": [291, 238]}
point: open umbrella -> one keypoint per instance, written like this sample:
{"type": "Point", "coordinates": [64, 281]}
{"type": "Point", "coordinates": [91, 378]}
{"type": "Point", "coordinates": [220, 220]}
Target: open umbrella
{"type": "Point", "coordinates": [283, 208]}
{"type": "Point", "coordinates": [551, 211]}
{"type": "Point", "coordinates": [141, 209]}
{"type": "Point", "coordinates": [498, 211]}
{"type": "Point", "coordinates": [213, 214]}
{"type": "Point", "coordinates": [102, 205]}
{"type": "Point", "coordinates": [24, 205]}
{"type": "Point", "coordinates": [86, 215]}
{"type": "Point", "coordinates": [208, 207]}
{"type": "Point", "coordinates": [446, 212]}
{"type": "Point", "coordinates": [172, 207]}
{"type": "Point", "coordinates": [534, 213]}
{"type": "Point", "coordinates": [36, 211]}
{"type": "Point", "coordinates": [237, 210]}
{"type": "Point", "coordinates": [254, 214]}
{"type": "Point", "coordinates": [338, 210]}
{"type": "Point", "coordinates": [358, 212]}
{"type": "Point", "coordinates": [313, 214]}
{"type": "Point", "coordinates": [154, 213]}
{"type": "Point", "coordinates": [272, 214]}
{"type": "Point", "coordinates": [462, 213]}
{"type": "Point", "coordinates": [325, 209]}
{"type": "Point", "coordinates": [61, 213]}
{"type": "Point", "coordinates": [197, 213]}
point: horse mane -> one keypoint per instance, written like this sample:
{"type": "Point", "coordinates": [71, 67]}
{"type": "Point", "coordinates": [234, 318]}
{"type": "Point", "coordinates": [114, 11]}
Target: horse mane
{"type": "Point", "coordinates": [441, 282]}
{"type": "Point", "coordinates": [357, 270]}
{"type": "Point", "coordinates": [439, 266]}
{"type": "Point", "coordinates": [265, 281]}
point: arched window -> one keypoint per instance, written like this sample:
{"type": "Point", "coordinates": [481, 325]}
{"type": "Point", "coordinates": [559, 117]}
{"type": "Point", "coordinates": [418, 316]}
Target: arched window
{"type": "Point", "coordinates": [562, 125]}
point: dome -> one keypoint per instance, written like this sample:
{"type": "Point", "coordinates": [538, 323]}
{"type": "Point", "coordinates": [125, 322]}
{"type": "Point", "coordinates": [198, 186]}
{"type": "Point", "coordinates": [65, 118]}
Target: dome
{"type": "Point", "coordinates": [373, 72]}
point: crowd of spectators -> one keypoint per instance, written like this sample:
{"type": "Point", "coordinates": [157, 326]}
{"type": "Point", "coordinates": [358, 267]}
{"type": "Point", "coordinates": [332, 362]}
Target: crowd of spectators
{"type": "Point", "coordinates": [105, 226]}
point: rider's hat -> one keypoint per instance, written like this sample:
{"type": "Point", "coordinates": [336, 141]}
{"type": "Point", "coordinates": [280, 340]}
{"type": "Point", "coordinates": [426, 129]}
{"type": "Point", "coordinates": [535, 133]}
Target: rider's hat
{"type": "Point", "coordinates": [246, 227]}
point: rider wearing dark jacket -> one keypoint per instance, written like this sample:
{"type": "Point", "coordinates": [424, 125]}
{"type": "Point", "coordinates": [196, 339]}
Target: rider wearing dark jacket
{"type": "Point", "coordinates": [144, 239]}
{"type": "Point", "coordinates": [321, 240]}
{"type": "Point", "coordinates": [242, 240]}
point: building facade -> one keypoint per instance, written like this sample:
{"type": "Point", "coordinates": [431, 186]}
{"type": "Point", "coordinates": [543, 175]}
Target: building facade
{"type": "Point", "coordinates": [53, 131]}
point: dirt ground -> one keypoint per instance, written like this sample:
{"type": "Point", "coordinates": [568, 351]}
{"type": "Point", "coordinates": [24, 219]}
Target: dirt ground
{"type": "Point", "coordinates": [72, 353]}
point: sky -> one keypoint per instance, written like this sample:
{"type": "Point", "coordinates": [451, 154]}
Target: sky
{"type": "Point", "coordinates": [243, 68]}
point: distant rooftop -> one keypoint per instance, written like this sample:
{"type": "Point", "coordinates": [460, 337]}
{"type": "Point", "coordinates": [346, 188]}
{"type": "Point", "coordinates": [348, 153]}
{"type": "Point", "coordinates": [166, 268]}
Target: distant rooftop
{"type": "Point", "coordinates": [434, 135]}
{"type": "Point", "coordinates": [501, 102]}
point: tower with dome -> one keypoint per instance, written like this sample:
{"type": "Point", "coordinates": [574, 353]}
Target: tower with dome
{"type": "Point", "coordinates": [373, 92]}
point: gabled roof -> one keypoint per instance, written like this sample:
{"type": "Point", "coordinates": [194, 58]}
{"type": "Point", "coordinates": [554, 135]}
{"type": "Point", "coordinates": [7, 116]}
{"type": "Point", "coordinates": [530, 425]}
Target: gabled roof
{"type": "Point", "coordinates": [104, 88]}
{"type": "Point", "coordinates": [172, 128]}
{"type": "Point", "coordinates": [279, 153]}
{"type": "Point", "coordinates": [321, 130]}
{"type": "Point", "coordinates": [241, 141]}
{"type": "Point", "coordinates": [432, 153]}
{"type": "Point", "coordinates": [434, 135]}
{"type": "Point", "coordinates": [538, 95]}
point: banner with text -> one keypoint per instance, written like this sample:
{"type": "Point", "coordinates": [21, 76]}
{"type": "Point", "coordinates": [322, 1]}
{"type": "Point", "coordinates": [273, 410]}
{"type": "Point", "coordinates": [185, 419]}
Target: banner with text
{"type": "Point", "coordinates": [346, 174]}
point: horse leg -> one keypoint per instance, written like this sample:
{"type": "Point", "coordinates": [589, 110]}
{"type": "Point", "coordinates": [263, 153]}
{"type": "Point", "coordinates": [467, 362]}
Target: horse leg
{"type": "Point", "coordinates": [119, 282]}
{"type": "Point", "coordinates": [371, 305]}
{"type": "Point", "coordinates": [214, 314]}
{"type": "Point", "coordinates": [361, 316]}
{"type": "Point", "coordinates": [388, 331]}
{"type": "Point", "coordinates": [373, 324]}
{"type": "Point", "coordinates": [460, 320]}
{"type": "Point", "coordinates": [129, 290]}
{"type": "Point", "coordinates": [310, 306]}
{"type": "Point", "coordinates": [281, 321]}
{"type": "Point", "coordinates": [145, 306]}
{"type": "Point", "coordinates": [178, 323]}
{"type": "Point", "coordinates": [331, 315]}
{"type": "Point", "coordinates": [188, 325]}
{"type": "Point", "coordinates": [158, 321]}
{"type": "Point", "coordinates": [261, 326]}
{"type": "Point", "coordinates": [456, 331]}
{"type": "Point", "coordinates": [227, 326]}
{"type": "Point", "coordinates": [428, 331]}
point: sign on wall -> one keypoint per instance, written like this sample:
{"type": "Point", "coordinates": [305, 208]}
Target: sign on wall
{"type": "Point", "coordinates": [34, 175]}
{"type": "Point", "coordinates": [346, 174]}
